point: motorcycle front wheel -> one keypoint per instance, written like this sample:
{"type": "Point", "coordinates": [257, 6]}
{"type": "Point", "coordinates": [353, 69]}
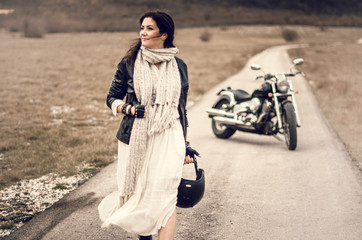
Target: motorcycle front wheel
{"type": "Point", "coordinates": [289, 126]}
{"type": "Point", "coordinates": [220, 130]}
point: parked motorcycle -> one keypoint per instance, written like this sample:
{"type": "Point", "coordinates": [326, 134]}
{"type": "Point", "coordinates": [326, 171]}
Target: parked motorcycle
{"type": "Point", "coordinates": [269, 110]}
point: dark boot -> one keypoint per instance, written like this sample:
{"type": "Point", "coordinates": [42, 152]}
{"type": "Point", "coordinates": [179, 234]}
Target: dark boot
{"type": "Point", "coordinates": [145, 237]}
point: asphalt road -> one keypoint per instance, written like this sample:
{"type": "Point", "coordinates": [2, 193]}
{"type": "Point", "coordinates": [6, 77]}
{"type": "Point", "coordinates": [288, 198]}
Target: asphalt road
{"type": "Point", "coordinates": [256, 187]}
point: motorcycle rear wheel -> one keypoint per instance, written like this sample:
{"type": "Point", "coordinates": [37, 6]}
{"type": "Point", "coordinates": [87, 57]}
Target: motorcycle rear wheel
{"type": "Point", "coordinates": [220, 130]}
{"type": "Point", "coordinates": [290, 126]}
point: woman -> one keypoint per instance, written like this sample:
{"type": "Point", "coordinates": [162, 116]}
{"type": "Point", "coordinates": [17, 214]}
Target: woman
{"type": "Point", "coordinates": [152, 134]}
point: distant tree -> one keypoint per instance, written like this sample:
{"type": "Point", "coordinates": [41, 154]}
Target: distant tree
{"type": "Point", "coordinates": [307, 6]}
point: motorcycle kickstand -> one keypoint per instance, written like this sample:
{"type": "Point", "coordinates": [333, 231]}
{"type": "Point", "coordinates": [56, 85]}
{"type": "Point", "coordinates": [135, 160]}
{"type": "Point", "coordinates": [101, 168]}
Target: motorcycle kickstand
{"type": "Point", "coordinates": [277, 138]}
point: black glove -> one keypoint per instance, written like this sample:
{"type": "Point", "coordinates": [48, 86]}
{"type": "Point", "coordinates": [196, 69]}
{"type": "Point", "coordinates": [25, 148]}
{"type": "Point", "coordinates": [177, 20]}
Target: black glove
{"type": "Point", "coordinates": [140, 111]}
{"type": "Point", "coordinates": [191, 152]}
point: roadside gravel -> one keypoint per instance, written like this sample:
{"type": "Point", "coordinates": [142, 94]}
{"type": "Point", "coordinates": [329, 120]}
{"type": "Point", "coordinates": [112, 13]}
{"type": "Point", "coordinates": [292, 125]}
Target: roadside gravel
{"type": "Point", "coordinates": [21, 202]}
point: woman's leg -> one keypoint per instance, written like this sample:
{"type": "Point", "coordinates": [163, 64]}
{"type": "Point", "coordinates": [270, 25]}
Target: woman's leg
{"type": "Point", "coordinates": [168, 232]}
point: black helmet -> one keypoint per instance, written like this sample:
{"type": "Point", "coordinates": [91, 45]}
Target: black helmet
{"type": "Point", "coordinates": [190, 192]}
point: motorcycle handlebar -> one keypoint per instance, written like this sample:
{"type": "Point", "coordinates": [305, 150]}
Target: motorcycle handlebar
{"type": "Point", "coordinates": [270, 76]}
{"type": "Point", "coordinates": [289, 74]}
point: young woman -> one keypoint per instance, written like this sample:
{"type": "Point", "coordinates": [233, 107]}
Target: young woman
{"type": "Point", "coordinates": [152, 135]}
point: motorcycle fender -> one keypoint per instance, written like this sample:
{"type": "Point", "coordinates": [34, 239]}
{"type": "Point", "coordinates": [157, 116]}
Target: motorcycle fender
{"type": "Point", "coordinates": [295, 110]}
{"type": "Point", "coordinates": [286, 101]}
{"type": "Point", "coordinates": [221, 97]}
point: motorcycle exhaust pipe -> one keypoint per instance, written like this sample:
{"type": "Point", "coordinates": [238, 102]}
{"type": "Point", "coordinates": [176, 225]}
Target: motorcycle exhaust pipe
{"type": "Point", "coordinates": [260, 118]}
{"type": "Point", "coordinates": [217, 112]}
{"type": "Point", "coordinates": [232, 122]}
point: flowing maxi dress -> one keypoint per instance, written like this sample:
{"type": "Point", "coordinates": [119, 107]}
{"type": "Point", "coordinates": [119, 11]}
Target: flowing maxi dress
{"type": "Point", "coordinates": [155, 197]}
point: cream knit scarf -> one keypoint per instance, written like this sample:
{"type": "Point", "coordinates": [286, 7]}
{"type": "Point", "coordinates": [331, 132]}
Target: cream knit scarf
{"type": "Point", "coordinates": [159, 89]}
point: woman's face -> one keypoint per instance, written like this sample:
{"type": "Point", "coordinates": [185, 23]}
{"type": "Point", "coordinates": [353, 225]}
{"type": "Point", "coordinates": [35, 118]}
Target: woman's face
{"type": "Point", "coordinates": [150, 34]}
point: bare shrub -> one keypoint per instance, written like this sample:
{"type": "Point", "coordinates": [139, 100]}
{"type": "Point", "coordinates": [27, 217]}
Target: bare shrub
{"type": "Point", "coordinates": [322, 28]}
{"type": "Point", "coordinates": [14, 29]}
{"type": "Point", "coordinates": [224, 28]}
{"type": "Point", "coordinates": [205, 36]}
{"type": "Point", "coordinates": [32, 29]}
{"type": "Point", "coordinates": [289, 35]}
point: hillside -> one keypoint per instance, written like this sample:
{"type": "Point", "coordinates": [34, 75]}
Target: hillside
{"type": "Point", "coordinates": [122, 15]}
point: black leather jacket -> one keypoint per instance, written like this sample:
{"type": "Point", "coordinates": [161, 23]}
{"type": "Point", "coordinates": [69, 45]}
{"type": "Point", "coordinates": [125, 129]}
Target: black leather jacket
{"type": "Point", "coordinates": [122, 85]}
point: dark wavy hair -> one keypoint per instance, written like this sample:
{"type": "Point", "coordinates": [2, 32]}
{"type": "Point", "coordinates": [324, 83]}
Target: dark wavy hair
{"type": "Point", "coordinates": [164, 23]}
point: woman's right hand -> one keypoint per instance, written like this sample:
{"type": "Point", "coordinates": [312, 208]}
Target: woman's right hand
{"type": "Point", "coordinates": [139, 111]}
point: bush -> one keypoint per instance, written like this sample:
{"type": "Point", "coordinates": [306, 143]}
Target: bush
{"type": "Point", "coordinates": [289, 35]}
{"type": "Point", "coordinates": [33, 30]}
{"type": "Point", "coordinates": [205, 36]}
{"type": "Point", "coordinates": [60, 187]}
{"type": "Point", "coordinates": [14, 29]}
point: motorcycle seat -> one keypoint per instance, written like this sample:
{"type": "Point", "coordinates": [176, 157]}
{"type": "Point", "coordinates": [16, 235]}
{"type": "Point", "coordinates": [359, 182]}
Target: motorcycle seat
{"type": "Point", "coordinates": [241, 95]}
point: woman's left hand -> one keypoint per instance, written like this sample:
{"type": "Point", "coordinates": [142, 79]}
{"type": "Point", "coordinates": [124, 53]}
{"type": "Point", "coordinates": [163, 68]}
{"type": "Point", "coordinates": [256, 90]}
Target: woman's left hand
{"type": "Point", "coordinates": [190, 155]}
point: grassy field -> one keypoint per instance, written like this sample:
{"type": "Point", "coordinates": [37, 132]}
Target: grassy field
{"type": "Point", "coordinates": [53, 115]}
{"type": "Point", "coordinates": [334, 68]}
{"type": "Point", "coordinates": [43, 16]}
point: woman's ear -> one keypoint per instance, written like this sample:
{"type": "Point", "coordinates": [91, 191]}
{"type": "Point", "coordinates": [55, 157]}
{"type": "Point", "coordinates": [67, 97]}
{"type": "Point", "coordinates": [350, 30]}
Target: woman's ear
{"type": "Point", "coordinates": [164, 36]}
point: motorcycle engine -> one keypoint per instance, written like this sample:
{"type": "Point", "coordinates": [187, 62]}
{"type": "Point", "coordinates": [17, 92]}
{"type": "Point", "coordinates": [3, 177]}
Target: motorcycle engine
{"type": "Point", "coordinates": [250, 106]}
{"type": "Point", "coordinates": [246, 110]}
{"type": "Point", "coordinates": [255, 104]}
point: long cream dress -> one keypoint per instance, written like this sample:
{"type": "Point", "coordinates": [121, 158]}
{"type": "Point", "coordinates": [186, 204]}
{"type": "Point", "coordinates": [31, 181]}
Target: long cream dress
{"type": "Point", "coordinates": [155, 196]}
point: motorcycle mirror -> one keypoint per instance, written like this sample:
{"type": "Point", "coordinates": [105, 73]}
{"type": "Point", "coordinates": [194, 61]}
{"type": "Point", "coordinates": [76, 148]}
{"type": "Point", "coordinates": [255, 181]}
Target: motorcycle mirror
{"type": "Point", "coordinates": [298, 61]}
{"type": "Point", "coordinates": [255, 66]}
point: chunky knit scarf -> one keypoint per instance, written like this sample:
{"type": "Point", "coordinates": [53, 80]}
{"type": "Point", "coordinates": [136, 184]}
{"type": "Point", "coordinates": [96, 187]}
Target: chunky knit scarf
{"type": "Point", "coordinates": [158, 89]}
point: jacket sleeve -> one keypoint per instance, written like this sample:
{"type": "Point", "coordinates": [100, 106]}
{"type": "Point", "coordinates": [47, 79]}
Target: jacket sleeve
{"type": "Point", "coordinates": [118, 87]}
{"type": "Point", "coordinates": [185, 89]}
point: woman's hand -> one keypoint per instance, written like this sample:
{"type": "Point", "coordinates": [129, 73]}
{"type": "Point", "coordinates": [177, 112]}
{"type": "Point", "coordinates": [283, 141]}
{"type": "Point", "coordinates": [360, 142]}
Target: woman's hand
{"type": "Point", "coordinates": [190, 155]}
{"type": "Point", "coordinates": [139, 111]}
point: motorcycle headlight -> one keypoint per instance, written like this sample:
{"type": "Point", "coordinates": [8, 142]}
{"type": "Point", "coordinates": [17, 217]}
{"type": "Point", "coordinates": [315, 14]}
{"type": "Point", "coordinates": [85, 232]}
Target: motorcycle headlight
{"type": "Point", "coordinates": [283, 86]}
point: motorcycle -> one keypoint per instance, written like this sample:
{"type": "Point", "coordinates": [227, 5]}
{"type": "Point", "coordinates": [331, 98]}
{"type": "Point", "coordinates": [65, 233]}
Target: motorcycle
{"type": "Point", "coordinates": [269, 110]}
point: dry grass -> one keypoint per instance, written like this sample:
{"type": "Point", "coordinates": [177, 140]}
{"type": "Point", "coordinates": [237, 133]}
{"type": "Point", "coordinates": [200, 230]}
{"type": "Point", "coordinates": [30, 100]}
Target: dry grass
{"type": "Point", "coordinates": [106, 16]}
{"type": "Point", "coordinates": [53, 114]}
{"type": "Point", "coordinates": [334, 69]}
